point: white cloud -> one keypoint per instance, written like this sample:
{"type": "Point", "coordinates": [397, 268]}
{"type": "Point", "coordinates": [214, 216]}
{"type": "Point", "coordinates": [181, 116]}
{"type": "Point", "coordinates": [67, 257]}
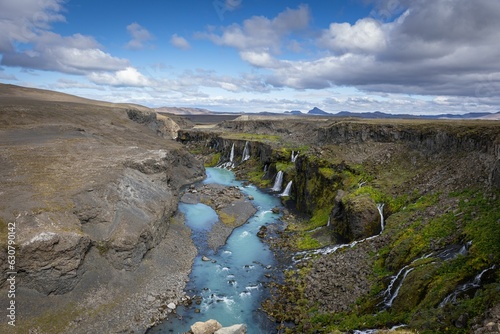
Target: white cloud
{"type": "Point", "coordinates": [126, 77]}
{"type": "Point", "coordinates": [180, 42]}
{"type": "Point", "coordinates": [140, 36]}
{"type": "Point", "coordinates": [432, 48]}
{"type": "Point", "coordinates": [75, 54]}
{"type": "Point", "coordinates": [259, 59]}
{"type": "Point", "coordinates": [365, 36]}
{"type": "Point", "coordinates": [21, 21]}
{"type": "Point", "coordinates": [29, 22]}
{"type": "Point", "coordinates": [260, 33]}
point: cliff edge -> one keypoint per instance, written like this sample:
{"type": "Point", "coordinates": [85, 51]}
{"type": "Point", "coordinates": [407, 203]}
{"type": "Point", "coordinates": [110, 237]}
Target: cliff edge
{"type": "Point", "coordinates": [91, 189]}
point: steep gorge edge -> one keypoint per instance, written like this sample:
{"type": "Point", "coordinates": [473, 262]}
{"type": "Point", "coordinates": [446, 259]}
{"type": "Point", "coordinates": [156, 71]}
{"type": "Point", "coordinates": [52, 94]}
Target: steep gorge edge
{"type": "Point", "coordinates": [92, 189]}
{"type": "Point", "coordinates": [440, 183]}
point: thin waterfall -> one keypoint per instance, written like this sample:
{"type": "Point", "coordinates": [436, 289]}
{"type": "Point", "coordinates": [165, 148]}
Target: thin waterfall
{"type": "Point", "coordinates": [390, 297]}
{"type": "Point", "coordinates": [231, 156]}
{"type": "Point", "coordinates": [304, 255]}
{"type": "Point", "coordinates": [228, 164]}
{"type": "Point", "coordinates": [246, 153]}
{"type": "Point", "coordinates": [392, 292]}
{"type": "Point", "coordinates": [286, 192]}
{"type": "Point", "coordinates": [380, 208]}
{"type": "Point", "coordinates": [294, 156]}
{"type": "Point", "coordinates": [278, 182]}
{"type": "Point", "coordinates": [476, 283]}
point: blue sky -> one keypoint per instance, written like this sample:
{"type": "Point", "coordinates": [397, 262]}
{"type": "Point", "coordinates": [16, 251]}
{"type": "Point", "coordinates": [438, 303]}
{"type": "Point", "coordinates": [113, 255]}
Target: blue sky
{"type": "Point", "coordinates": [396, 56]}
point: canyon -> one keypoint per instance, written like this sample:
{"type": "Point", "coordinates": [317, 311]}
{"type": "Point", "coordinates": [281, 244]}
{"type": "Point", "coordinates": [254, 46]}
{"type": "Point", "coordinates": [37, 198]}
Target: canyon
{"type": "Point", "coordinates": [93, 190]}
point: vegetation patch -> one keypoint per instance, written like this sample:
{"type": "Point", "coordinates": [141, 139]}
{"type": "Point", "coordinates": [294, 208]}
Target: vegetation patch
{"type": "Point", "coordinates": [251, 137]}
{"type": "Point", "coordinates": [226, 218]}
{"type": "Point", "coordinates": [214, 160]}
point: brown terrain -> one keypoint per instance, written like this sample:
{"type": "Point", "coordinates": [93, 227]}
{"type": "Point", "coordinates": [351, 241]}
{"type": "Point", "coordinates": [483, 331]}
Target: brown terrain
{"type": "Point", "coordinates": [92, 188]}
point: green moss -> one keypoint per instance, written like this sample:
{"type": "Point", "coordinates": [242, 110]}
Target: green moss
{"type": "Point", "coordinates": [257, 178]}
{"type": "Point", "coordinates": [376, 194]}
{"type": "Point", "coordinates": [227, 219]}
{"type": "Point", "coordinates": [306, 241]}
{"type": "Point", "coordinates": [327, 172]}
{"type": "Point", "coordinates": [482, 217]}
{"type": "Point", "coordinates": [319, 218]}
{"type": "Point", "coordinates": [102, 247]}
{"type": "Point", "coordinates": [286, 167]}
{"type": "Point", "coordinates": [214, 160]}
{"type": "Point", "coordinates": [251, 137]}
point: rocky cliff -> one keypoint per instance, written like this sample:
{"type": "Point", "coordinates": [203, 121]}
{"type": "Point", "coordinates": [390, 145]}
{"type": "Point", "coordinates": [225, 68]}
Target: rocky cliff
{"type": "Point", "coordinates": [92, 190]}
{"type": "Point", "coordinates": [438, 181]}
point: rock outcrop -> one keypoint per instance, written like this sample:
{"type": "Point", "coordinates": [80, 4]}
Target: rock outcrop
{"type": "Point", "coordinates": [231, 205]}
{"type": "Point", "coordinates": [160, 124]}
{"type": "Point", "coordinates": [439, 182]}
{"type": "Point", "coordinates": [92, 189]}
{"type": "Point", "coordinates": [354, 218]}
{"type": "Point", "coordinates": [214, 327]}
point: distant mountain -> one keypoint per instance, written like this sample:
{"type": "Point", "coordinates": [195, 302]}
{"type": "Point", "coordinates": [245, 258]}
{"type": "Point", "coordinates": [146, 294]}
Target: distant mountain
{"type": "Point", "coordinates": [294, 112]}
{"type": "Point", "coordinates": [379, 114]}
{"type": "Point", "coordinates": [317, 111]}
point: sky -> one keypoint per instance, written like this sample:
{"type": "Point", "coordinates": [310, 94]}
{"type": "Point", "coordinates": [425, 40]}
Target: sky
{"type": "Point", "coordinates": [395, 56]}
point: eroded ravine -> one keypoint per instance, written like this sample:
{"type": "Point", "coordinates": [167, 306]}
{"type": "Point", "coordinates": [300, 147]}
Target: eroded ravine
{"type": "Point", "coordinates": [231, 283]}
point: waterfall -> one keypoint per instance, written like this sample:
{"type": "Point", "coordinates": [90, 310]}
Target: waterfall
{"type": "Point", "coordinates": [278, 182]}
{"type": "Point", "coordinates": [294, 156]}
{"type": "Point", "coordinates": [389, 296]}
{"type": "Point", "coordinates": [246, 153]}
{"type": "Point", "coordinates": [380, 208]}
{"type": "Point", "coordinates": [305, 255]}
{"type": "Point", "coordinates": [476, 283]}
{"type": "Point", "coordinates": [329, 221]}
{"type": "Point", "coordinates": [287, 190]}
{"type": "Point", "coordinates": [228, 164]}
{"type": "Point", "coordinates": [231, 156]}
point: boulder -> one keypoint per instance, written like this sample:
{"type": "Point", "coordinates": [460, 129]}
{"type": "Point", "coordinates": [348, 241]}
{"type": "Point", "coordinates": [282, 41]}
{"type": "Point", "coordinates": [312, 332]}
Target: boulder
{"type": "Point", "coordinates": [207, 327]}
{"type": "Point", "coordinates": [235, 329]}
{"type": "Point", "coordinates": [355, 218]}
{"type": "Point", "coordinates": [51, 262]}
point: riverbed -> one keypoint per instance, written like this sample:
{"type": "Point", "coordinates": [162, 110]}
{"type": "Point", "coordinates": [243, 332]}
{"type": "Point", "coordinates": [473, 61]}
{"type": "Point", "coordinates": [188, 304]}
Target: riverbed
{"type": "Point", "coordinates": [230, 280]}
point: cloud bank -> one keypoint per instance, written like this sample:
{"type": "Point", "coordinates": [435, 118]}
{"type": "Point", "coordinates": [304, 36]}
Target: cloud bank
{"type": "Point", "coordinates": [28, 23]}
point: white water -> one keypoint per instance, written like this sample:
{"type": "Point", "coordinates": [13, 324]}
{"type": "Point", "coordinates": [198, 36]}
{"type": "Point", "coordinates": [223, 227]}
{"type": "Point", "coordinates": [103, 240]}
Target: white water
{"type": "Point", "coordinates": [391, 293]}
{"type": "Point", "coordinates": [246, 153]}
{"type": "Point", "coordinates": [380, 208]}
{"type": "Point", "coordinates": [374, 331]}
{"type": "Point", "coordinates": [228, 164]}
{"type": "Point", "coordinates": [306, 255]}
{"type": "Point", "coordinates": [476, 283]}
{"type": "Point", "coordinates": [286, 192]}
{"type": "Point", "coordinates": [294, 157]}
{"type": "Point", "coordinates": [278, 182]}
{"type": "Point", "coordinates": [391, 296]}
{"type": "Point", "coordinates": [231, 285]}
{"type": "Point", "coordinates": [231, 155]}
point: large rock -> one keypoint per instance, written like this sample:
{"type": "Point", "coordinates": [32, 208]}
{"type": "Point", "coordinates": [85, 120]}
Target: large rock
{"type": "Point", "coordinates": [50, 262]}
{"type": "Point", "coordinates": [235, 329]}
{"type": "Point", "coordinates": [355, 218]}
{"type": "Point", "coordinates": [162, 125]}
{"type": "Point", "coordinates": [127, 217]}
{"type": "Point", "coordinates": [207, 327]}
